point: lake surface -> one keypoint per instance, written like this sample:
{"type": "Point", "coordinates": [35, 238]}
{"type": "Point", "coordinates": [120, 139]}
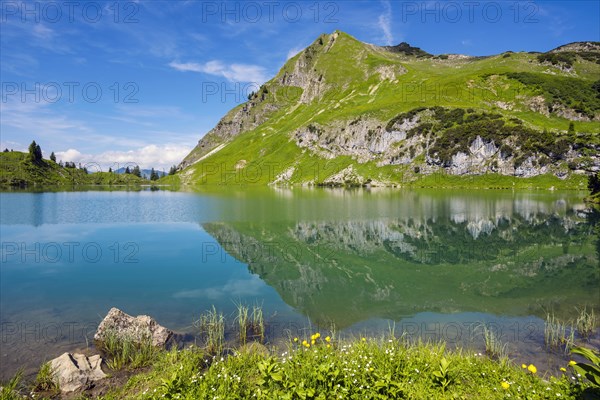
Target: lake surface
{"type": "Point", "coordinates": [435, 263]}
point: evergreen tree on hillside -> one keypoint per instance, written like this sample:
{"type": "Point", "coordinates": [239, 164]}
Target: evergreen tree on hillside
{"type": "Point", "coordinates": [153, 175]}
{"type": "Point", "coordinates": [35, 152]}
{"type": "Point", "coordinates": [173, 170]}
{"type": "Point", "coordinates": [109, 170]}
{"type": "Point", "coordinates": [136, 171]}
{"type": "Point", "coordinates": [53, 157]}
{"type": "Point", "coordinates": [127, 171]}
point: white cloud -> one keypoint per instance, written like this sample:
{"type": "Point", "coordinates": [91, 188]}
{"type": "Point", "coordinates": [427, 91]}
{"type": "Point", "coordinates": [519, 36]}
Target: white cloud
{"type": "Point", "coordinates": [42, 32]}
{"type": "Point", "coordinates": [293, 52]}
{"type": "Point", "coordinates": [231, 72]}
{"type": "Point", "coordinates": [385, 23]}
{"type": "Point", "coordinates": [150, 156]}
{"type": "Point", "coordinates": [232, 289]}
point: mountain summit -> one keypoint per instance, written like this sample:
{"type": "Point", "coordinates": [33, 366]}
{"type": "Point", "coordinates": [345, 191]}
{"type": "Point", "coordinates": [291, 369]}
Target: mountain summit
{"type": "Point", "coordinates": [344, 112]}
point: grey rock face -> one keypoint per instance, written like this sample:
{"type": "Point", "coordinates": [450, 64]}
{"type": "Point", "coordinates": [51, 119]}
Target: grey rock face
{"type": "Point", "coordinates": [75, 371]}
{"type": "Point", "coordinates": [138, 328]}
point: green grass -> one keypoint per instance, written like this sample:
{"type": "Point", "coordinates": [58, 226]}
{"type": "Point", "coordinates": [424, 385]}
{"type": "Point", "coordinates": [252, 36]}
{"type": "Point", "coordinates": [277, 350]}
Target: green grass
{"type": "Point", "coordinates": [10, 390]}
{"type": "Point", "coordinates": [558, 335]}
{"type": "Point", "coordinates": [493, 346]}
{"type": "Point", "coordinates": [258, 323]}
{"type": "Point", "coordinates": [242, 321]}
{"type": "Point", "coordinates": [212, 327]}
{"type": "Point", "coordinates": [124, 352]}
{"type": "Point", "coordinates": [44, 381]}
{"type": "Point", "coordinates": [346, 369]}
{"type": "Point", "coordinates": [586, 322]}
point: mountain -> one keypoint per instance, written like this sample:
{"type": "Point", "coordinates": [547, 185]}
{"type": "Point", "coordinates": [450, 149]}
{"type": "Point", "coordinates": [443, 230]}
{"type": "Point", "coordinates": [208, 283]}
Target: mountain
{"type": "Point", "coordinates": [145, 172]}
{"type": "Point", "coordinates": [343, 112]}
{"type": "Point", "coordinates": [18, 170]}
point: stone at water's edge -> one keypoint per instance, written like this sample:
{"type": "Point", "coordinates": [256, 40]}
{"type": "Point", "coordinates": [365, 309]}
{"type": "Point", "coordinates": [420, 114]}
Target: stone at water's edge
{"type": "Point", "coordinates": [74, 371]}
{"type": "Point", "coordinates": [138, 328]}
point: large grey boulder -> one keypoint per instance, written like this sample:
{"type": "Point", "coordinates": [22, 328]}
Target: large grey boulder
{"type": "Point", "coordinates": [137, 329]}
{"type": "Point", "coordinates": [74, 371]}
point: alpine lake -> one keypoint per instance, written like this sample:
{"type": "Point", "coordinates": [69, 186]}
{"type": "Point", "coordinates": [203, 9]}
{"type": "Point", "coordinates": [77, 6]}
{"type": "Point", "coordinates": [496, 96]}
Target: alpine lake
{"type": "Point", "coordinates": [426, 264]}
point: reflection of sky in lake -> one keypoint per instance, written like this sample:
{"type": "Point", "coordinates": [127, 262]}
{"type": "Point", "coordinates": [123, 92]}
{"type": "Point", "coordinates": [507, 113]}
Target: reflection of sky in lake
{"type": "Point", "coordinates": [70, 257]}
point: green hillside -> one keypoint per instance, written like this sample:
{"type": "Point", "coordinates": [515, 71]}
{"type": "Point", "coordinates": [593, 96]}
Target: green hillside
{"type": "Point", "coordinates": [343, 112]}
{"type": "Point", "coordinates": [18, 170]}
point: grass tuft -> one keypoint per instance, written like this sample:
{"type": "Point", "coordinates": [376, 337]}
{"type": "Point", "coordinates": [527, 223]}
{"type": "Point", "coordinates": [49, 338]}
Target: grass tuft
{"type": "Point", "coordinates": [493, 346]}
{"type": "Point", "coordinates": [258, 323]}
{"type": "Point", "coordinates": [44, 381]}
{"type": "Point", "coordinates": [586, 323]}
{"type": "Point", "coordinates": [557, 335]}
{"type": "Point", "coordinates": [212, 326]}
{"type": "Point", "coordinates": [123, 351]}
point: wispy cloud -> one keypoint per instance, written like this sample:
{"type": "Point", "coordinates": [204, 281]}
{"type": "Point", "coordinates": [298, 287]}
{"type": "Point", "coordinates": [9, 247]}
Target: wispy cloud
{"type": "Point", "coordinates": [231, 72]}
{"type": "Point", "coordinates": [385, 23]}
{"type": "Point", "coordinates": [293, 51]}
{"type": "Point", "coordinates": [232, 289]}
{"type": "Point", "coordinates": [551, 18]}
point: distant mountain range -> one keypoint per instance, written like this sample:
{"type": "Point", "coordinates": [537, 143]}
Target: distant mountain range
{"type": "Point", "coordinates": [145, 172]}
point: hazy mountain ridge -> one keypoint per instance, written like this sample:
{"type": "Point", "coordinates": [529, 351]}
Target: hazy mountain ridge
{"type": "Point", "coordinates": [383, 115]}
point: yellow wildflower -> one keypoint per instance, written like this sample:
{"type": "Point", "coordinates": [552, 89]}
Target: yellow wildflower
{"type": "Point", "coordinates": [295, 339]}
{"type": "Point", "coordinates": [523, 366]}
{"type": "Point", "coordinates": [327, 339]}
{"type": "Point", "coordinates": [532, 368]}
{"type": "Point", "coordinates": [505, 385]}
{"type": "Point", "coordinates": [571, 363]}
{"type": "Point", "coordinates": [312, 342]}
{"type": "Point", "coordinates": [328, 345]}
{"type": "Point", "coordinates": [563, 369]}
{"type": "Point", "coordinates": [317, 335]}
{"type": "Point", "coordinates": [363, 339]}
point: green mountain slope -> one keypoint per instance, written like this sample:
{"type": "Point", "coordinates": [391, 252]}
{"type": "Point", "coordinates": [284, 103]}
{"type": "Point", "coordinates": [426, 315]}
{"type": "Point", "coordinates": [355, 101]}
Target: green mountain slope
{"type": "Point", "coordinates": [18, 170]}
{"type": "Point", "coordinates": [343, 112]}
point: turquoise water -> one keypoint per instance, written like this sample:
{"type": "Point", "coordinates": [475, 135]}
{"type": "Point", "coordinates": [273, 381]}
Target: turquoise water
{"type": "Point", "coordinates": [434, 263]}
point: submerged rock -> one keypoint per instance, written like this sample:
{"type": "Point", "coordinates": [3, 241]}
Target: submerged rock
{"type": "Point", "coordinates": [75, 371]}
{"type": "Point", "coordinates": [138, 329]}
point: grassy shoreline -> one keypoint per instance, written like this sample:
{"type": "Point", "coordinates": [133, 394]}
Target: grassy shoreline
{"type": "Point", "coordinates": [317, 366]}
{"type": "Point", "coordinates": [327, 368]}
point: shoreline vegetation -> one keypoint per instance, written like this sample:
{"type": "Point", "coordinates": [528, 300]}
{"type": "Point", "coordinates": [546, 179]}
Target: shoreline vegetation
{"type": "Point", "coordinates": [18, 172]}
{"type": "Point", "coordinates": [323, 366]}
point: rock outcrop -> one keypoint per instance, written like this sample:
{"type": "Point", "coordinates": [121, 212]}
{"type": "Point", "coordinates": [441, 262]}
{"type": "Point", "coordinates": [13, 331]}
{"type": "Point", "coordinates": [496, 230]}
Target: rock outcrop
{"type": "Point", "coordinates": [137, 329]}
{"type": "Point", "coordinates": [74, 371]}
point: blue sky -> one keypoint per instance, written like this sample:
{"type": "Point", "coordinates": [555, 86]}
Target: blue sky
{"type": "Point", "coordinates": [111, 82]}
